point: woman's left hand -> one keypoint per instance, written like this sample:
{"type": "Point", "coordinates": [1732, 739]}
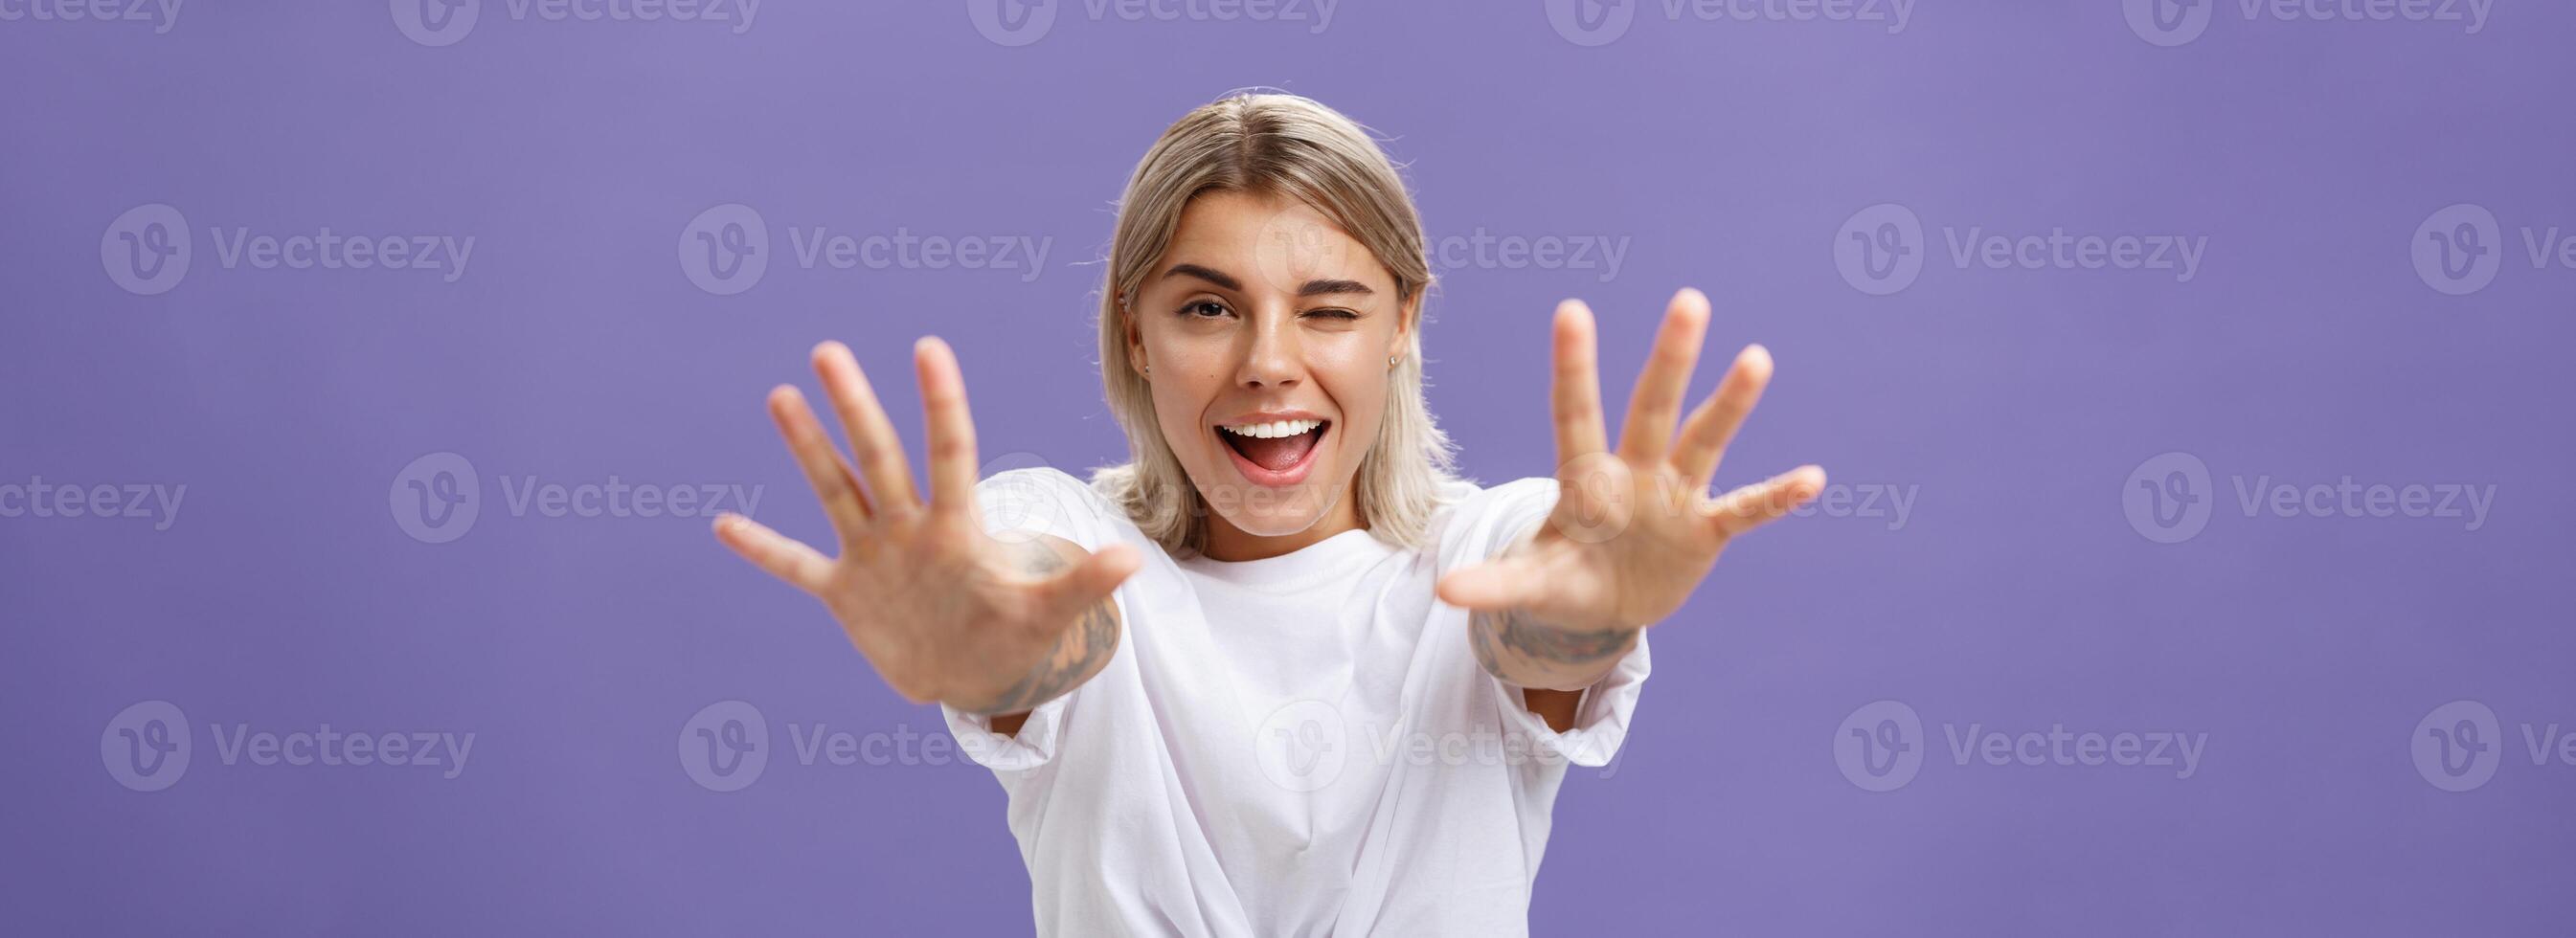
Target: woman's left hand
{"type": "Point", "coordinates": [1633, 531]}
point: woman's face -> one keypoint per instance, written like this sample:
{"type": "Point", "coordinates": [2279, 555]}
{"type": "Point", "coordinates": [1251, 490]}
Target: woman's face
{"type": "Point", "coordinates": [1267, 330]}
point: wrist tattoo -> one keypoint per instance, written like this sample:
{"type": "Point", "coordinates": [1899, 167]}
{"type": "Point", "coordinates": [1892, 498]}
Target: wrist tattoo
{"type": "Point", "coordinates": [1540, 644]}
{"type": "Point", "coordinates": [1077, 653]}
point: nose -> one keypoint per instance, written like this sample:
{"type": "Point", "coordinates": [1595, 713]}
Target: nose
{"type": "Point", "coordinates": [1275, 359]}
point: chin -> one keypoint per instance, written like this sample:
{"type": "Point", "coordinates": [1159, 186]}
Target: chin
{"type": "Point", "coordinates": [1276, 520]}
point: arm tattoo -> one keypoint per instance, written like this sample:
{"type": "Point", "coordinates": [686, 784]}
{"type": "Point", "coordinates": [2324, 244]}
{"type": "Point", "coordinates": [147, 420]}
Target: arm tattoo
{"type": "Point", "coordinates": [1077, 653]}
{"type": "Point", "coordinates": [1532, 640]}
{"type": "Point", "coordinates": [1542, 655]}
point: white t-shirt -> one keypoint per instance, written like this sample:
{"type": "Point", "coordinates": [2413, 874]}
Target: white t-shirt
{"type": "Point", "coordinates": [1298, 745]}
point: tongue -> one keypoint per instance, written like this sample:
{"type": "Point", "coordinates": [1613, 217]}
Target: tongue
{"type": "Point", "coordinates": [1277, 453]}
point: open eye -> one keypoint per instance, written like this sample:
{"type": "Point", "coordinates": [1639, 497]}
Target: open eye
{"type": "Point", "coordinates": [1192, 310]}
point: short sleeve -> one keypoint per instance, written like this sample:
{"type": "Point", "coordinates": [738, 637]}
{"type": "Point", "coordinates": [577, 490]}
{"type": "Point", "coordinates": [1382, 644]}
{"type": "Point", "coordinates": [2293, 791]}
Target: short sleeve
{"type": "Point", "coordinates": [1033, 746]}
{"type": "Point", "coordinates": [1601, 714]}
{"type": "Point", "coordinates": [1017, 505]}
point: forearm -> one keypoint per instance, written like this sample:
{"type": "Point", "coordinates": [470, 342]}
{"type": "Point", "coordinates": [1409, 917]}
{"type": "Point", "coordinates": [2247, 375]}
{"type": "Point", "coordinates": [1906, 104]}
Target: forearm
{"type": "Point", "coordinates": [1080, 651]}
{"type": "Point", "coordinates": [1525, 652]}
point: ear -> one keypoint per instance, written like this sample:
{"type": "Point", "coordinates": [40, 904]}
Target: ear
{"type": "Point", "coordinates": [1405, 319]}
{"type": "Point", "coordinates": [1135, 342]}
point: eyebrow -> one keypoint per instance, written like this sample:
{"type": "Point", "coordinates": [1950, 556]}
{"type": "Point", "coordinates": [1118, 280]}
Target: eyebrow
{"type": "Point", "coordinates": [1311, 287]}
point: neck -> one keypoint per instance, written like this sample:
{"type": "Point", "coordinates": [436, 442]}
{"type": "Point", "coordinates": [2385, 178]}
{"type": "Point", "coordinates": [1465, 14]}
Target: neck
{"type": "Point", "coordinates": [1231, 544]}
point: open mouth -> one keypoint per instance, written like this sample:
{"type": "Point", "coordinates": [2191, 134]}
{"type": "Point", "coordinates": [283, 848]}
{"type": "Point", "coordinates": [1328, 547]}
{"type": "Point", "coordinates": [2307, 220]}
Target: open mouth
{"type": "Point", "coordinates": [1277, 453]}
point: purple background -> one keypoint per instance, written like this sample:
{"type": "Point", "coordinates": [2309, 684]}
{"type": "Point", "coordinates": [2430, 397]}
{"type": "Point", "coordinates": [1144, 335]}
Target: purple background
{"type": "Point", "coordinates": [2015, 405]}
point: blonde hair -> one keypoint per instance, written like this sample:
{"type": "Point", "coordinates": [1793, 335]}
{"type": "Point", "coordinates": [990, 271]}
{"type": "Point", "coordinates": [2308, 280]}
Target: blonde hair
{"type": "Point", "coordinates": [1277, 145]}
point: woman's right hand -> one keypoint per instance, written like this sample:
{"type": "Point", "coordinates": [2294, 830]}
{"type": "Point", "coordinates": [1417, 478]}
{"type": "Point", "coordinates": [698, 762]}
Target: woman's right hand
{"type": "Point", "coordinates": [944, 611]}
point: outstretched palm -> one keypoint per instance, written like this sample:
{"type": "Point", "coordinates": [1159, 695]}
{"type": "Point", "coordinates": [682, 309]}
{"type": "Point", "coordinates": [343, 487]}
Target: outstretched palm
{"type": "Point", "coordinates": [1633, 531]}
{"type": "Point", "coordinates": [943, 610]}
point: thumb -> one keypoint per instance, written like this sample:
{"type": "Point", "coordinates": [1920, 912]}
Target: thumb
{"type": "Point", "coordinates": [1089, 581]}
{"type": "Point", "coordinates": [1487, 586]}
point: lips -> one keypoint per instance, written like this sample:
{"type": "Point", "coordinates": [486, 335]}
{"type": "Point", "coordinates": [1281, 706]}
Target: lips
{"type": "Point", "coordinates": [1276, 461]}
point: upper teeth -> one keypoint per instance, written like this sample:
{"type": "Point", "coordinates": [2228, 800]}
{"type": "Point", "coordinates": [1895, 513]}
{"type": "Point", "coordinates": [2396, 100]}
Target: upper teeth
{"type": "Point", "coordinates": [1275, 428]}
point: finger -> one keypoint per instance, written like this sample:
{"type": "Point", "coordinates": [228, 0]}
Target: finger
{"type": "Point", "coordinates": [1647, 433]}
{"type": "Point", "coordinates": [1577, 397]}
{"type": "Point", "coordinates": [823, 467]}
{"type": "Point", "coordinates": [1762, 502]}
{"type": "Point", "coordinates": [952, 428]}
{"type": "Point", "coordinates": [1713, 423]}
{"type": "Point", "coordinates": [1081, 588]}
{"type": "Point", "coordinates": [783, 557]}
{"type": "Point", "coordinates": [1492, 585]}
{"type": "Point", "coordinates": [873, 442]}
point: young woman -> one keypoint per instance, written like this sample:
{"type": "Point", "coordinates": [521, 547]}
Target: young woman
{"type": "Point", "coordinates": [1281, 673]}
